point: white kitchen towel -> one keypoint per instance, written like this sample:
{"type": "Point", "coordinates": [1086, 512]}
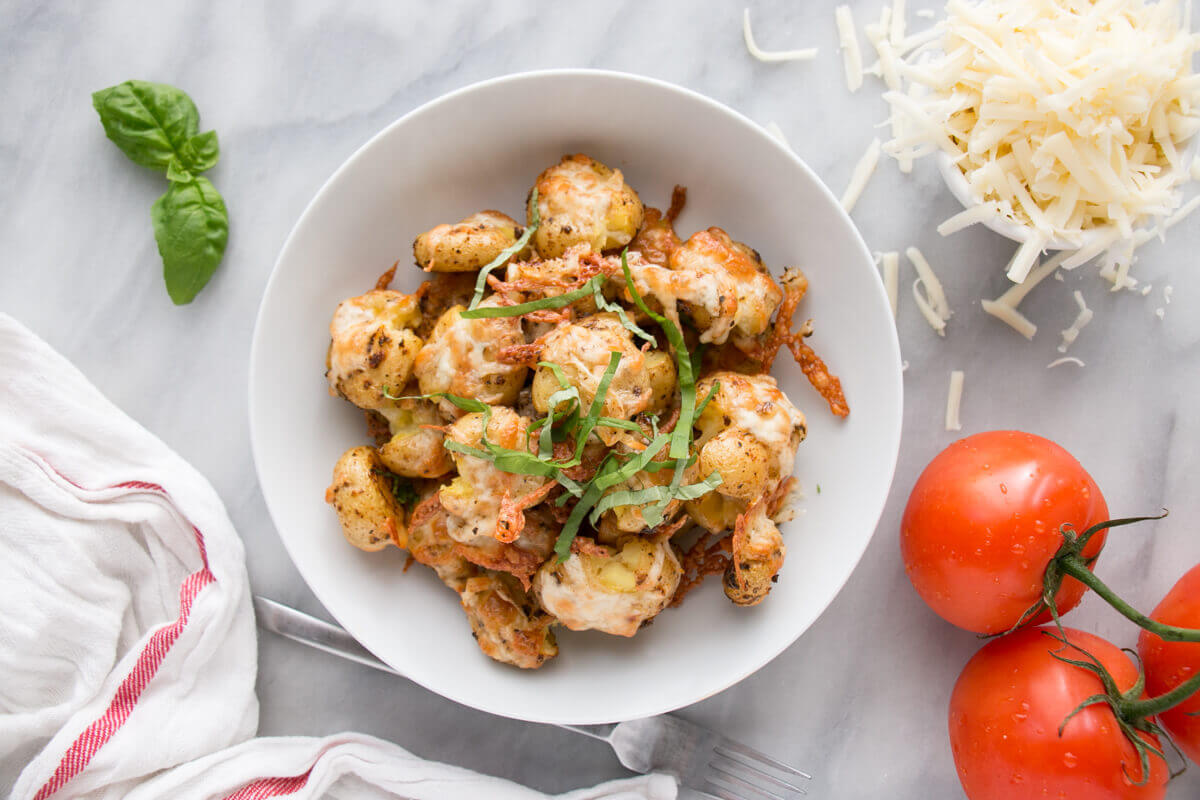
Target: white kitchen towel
{"type": "Point", "coordinates": [127, 640]}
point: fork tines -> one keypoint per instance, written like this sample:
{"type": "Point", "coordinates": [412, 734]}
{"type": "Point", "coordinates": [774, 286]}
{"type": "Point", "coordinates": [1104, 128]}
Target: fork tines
{"type": "Point", "coordinates": [735, 770]}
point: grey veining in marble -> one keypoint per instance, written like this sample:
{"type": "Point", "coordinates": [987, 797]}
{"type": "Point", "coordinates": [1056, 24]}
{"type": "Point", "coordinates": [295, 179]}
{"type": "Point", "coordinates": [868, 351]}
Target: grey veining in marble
{"type": "Point", "coordinates": [294, 88]}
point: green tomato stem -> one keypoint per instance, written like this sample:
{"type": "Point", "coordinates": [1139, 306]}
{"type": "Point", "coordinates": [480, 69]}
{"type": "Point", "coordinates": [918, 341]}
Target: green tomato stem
{"type": "Point", "coordinates": [1075, 566]}
{"type": "Point", "coordinates": [1153, 706]}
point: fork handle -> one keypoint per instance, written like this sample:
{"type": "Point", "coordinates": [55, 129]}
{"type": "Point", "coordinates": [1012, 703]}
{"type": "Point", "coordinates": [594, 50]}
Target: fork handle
{"type": "Point", "coordinates": [601, 732]}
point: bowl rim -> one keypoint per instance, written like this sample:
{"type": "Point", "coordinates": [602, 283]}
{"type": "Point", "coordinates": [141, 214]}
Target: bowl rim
{"type": "Point", "coordinates": [890, 448]}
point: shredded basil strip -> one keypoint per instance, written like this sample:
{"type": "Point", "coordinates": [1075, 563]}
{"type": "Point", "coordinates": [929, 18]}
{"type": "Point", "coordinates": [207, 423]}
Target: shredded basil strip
{"type": "Point", "coordinates": [716, 387]}
{"type": "Point", "coordinates": [558, 301]}
{"type": "Point", "coordinates": [563, 545]}
{"type": "Point", "coordinates": [593, 415]}
{"type": "Point", "coordinates": [623, 424]}
{"type": "Point", "coordinates": [603, 303]}
{"type": "Point", "coordinates": [641, 497]}
{"type": "Point", "coordinates": [653, 515]}
{"type": "Point", "coordinates": [508, 252]}
{"type": "Point", "coordinates": [681, 437]}
{"type": "Point", "coordinates": [609, 475]}
{"type": "Point", "coordinates": [546, 438]}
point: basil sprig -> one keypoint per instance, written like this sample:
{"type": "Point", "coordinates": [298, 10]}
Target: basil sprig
{"type": "Point", "coordinates": [157, 126]}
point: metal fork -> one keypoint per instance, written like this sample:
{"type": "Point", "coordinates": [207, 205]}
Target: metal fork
{"type": "Point", "coordinates": [701, 759]}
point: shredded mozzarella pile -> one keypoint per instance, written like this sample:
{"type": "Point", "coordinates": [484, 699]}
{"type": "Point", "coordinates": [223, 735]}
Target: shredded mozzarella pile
{"type": "Point", "coordinates": [1069, 117]}
{"type": "Point", "coordinates": [954, 401]}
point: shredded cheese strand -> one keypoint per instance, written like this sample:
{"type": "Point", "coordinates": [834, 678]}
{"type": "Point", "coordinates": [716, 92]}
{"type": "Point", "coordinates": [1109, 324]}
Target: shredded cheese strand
{"type": "Point", "coordinates": [848, 44]}
{"type": "Point", "coordinates": [863, 170]}
{"type": "Point", "coordinates": [954, 401]}
{"type": "Point", "coordinates": [890, 263]}
{"type": "Point", "coordinates": [928, 293]}
{"type": "Point", "coordinates": [805, 54]}
{"type": "Point", "coordinates": [1081, 319]}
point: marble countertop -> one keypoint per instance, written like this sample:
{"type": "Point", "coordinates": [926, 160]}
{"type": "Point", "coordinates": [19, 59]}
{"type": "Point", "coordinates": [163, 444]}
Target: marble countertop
{"type": "Point", "coordinates": [860, 700]}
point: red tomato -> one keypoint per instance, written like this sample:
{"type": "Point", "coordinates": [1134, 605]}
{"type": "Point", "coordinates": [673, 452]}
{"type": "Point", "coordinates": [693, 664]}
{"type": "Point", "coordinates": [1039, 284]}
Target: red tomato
{"type": "Point", "coordinates": [983, 522]}
{"type": "Point", "coordinates": [1005, 712]}
{"type": "Point", "coordinates": [1169, 664]}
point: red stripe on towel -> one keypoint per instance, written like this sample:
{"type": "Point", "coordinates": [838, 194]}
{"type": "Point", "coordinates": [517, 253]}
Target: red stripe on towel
{"type": "Point", "coordinates": [85, 747]}
{"type": "Point", "coordinates": [263, 788]}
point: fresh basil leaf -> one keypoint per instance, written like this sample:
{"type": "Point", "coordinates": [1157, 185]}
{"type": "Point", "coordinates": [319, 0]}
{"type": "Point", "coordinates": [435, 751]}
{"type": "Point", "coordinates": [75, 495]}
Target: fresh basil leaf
{"type": "Point", "coordinates": [191, 227]}
{"type": "Point", "coordinates": [201, 152]}
{"type": "Point", "coordinates": [150, 122]}
{"type": "Point", "coordinates": [177, 173]}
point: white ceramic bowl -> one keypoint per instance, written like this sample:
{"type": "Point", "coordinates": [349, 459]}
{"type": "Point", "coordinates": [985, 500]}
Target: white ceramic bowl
{"type": "Point", "coordinates": [482, 147]}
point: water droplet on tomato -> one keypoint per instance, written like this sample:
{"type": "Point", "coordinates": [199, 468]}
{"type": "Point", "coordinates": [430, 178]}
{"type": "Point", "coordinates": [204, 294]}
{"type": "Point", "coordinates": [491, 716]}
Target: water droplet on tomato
{"type": "Point", "coordinates": [1003, 489]}
{"type": "Point", "coordinates": [1017, 548]}
{"type": "Point", "coordinates": [1070, 760]}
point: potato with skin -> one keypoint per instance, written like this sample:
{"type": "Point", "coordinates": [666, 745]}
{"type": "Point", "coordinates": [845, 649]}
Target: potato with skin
{"type": "Point", "coordinates": [415, 447]}
{"type": "Point", "coordinates": [749, 433]}
{"type": "Point", "coordinates": [473, 498]}
{"type": "Point", "coordinates": [468, 245]}
{"type": "Point", "coordinates": [582, 201]}
{"type": "Point", "coordinates": [372, 347]}
{"type": "Point", "coordinates": [714, 253]}
{"type": "Point", "coordinates": [610, 589]}
{"type": "Point", "coordinates": [460, 358]}
{"type": "Point", "coordinates": [721, 285]}
{"type": "Point", "coordinates": [506, 621]}
{"type": "Point", "coordinates": [361, 494]}
{"type": "Point", "coordinates": [582, 351]}
{"type": "Point", "coordinates": [757, 556]}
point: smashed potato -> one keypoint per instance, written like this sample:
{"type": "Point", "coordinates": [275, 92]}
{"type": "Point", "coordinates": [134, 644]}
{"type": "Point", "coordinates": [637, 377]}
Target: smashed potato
{"type": "Point", "coordinates": [609, 589]}
{"type": "Point", "coordinates": [581, 201]}
{"type": "Point", "coordinates": [461, 357]}
{"type": "Point", "coordinates": [372, 347]}
{"type": "Point", "coordinates": [468, 245]}
{"type": "Point", "coordinates": [361, 494]}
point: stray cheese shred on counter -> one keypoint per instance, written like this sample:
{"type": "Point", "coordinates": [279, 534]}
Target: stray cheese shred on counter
{"type": "Point", "coordinates": [954, 401]}
{"type": "Point", "coordinates": [805, 54]}
{"type": "Point", "coordinates": [928, 293]}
